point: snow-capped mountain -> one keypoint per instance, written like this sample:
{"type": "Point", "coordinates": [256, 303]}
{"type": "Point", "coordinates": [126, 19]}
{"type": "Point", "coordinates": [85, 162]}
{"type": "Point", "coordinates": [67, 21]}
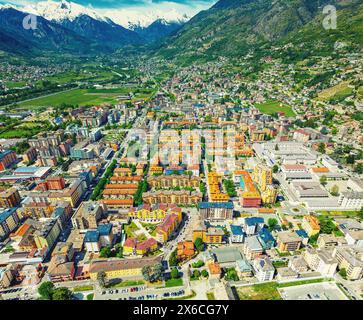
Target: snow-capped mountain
{"type": "Point", "coordinates": [135, 19]}
{"type": "Point", "coordinates": [63, 10]}
{"type": "Point", "coordinates": [60, 11]}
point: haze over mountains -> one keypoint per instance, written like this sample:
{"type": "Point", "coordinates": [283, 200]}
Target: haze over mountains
{"type": "Point", "coordinates": [229, 28]}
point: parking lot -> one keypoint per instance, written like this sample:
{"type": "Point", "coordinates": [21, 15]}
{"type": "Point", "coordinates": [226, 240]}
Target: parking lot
{"type": "Point", "coordinates": [316, 291]}
{"type": "Point", "coordinates": [139, 293]}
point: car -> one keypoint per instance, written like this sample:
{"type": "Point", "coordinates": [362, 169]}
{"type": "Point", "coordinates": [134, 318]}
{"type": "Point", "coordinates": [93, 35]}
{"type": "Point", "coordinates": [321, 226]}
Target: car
{"type": "Point", "coordinates": [103, 292]}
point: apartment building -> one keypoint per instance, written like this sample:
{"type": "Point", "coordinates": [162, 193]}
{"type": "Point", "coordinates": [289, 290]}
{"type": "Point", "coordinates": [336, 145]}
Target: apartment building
{"type": "Point", "coordinates": [88, 214]}
{"type": "Point", "coordinates": [321, 261]}
{"type": "Point", "coordinates": [350, 258]}
{"type": "Point", "coordinates": [10, 198]}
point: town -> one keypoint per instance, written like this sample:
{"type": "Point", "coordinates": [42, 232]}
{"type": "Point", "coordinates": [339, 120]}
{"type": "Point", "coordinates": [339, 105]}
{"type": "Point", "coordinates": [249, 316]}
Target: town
{"type": "Point", "coordinates": [199, 185]}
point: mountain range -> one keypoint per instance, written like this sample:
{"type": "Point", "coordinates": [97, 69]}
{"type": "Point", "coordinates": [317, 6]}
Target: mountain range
{"type": "Point", "coordinates": [229, 28]}
{"type": "Point", "coordinates": [68, 27]}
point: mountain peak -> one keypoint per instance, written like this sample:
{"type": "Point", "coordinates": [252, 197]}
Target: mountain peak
{"type": "Point", "coordinates": [62, 10]}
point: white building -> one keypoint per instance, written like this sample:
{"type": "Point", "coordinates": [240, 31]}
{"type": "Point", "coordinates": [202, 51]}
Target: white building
{"type": "Point", "coordinates": [321, 261]}
{"type": "Point", "coordinates": [264, 270]}
{"type": "Point", "coordinates": [351, 200]}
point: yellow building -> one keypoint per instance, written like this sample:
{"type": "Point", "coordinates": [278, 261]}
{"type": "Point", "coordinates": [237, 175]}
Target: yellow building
{"type": "Point", "coordinates": [311, 225]}
{"type": "Point", "coordinates": [46, 237]}
{"type": "Point", "coordinates": [121, 268]}
{"type": "Point", "coordinates": [257, 136]}
{"type": "Point", "coordinates": [215, 194]}
{"type": "Point", "coordinates": [208, 235]}
{"type": "Point", "coordinates": [262, 175]}
{"type": "Point", "coordinates": [269, 195]}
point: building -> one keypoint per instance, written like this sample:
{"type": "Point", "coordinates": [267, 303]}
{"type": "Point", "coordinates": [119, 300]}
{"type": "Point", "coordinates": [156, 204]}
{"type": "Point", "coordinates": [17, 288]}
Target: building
{"type": "Point", "coordinates": [92, 241]}
{"type": "Point", "coordinates": [106, 234]}
{"type": "Point", "coordinates": [88, 214]}
{"type": "Point", "coordinates": [328, 241]}
{"type": "Point", "coordinates": [123, 268]}
{"type": "Point", "coordinates": [350, 258]}
{"type": "Point", "coordinates": [167, 227]}
{"type": "Point", "coordinates": [249, 195]}
{"type": "Point", "coordinates": [55, 183]}
{"type": "Point", "coordinates": [173, 181]}
{"type": "Point", "coordinates": [216, 211]}
{"type": "Point", "coordinates": [185, 250]}
{"type": "Point", "coordinates": [152, 214]}
{"type": "Point", "coordinates": [354, 237]}
{"type": "Point", "coordinates": [263, 268]}
{"type": "Point", "coordinates": [135, 247]}
{"type": "Point", "coordinates": [244, 268]}
{"type": "Point", "coordinates": [252, 248]}
{"type": "Point", "coordinates": [298, 264]}
{"type": "Point", "coordinates": [288, 241]}
{"type": "Point", "coordinates": [311, 225]}
{"type": "Point", "coordinates": [10, 198]}
{"type": "Point", "coordinates": [6, 277]}
{"type": "Point", "coordinates": [61, 266]}
{"type": "Point", "coordinates": [209, 235]}
{"type": "Point", "coordinates": [237, 234]}
{"type": "Point", "coordinates": [9, 221]}
{"type": "Point", "coordinates": [321, 261]}
{"type": "Point", "coordinates": [47, 236]}
{"type": "Point", "coordinates": [266, 239]}
{"type": "Point", "coordinates": [182, 197]}
{"type": "Point", "coordinates": [262, 175]}
{"type": "Point", "coordinates": [252, 225]}
{"type": "Point", "coordinates": [7, 159]}
{"type": "Point", "coordinates": [73, 194]}
{"type": "Point", "coordinates": [351, 200]}
{"type": "Point", "coordinates": [30, 155]}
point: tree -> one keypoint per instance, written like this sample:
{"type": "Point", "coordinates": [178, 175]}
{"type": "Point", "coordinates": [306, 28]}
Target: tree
{"type": "Point", "coordinates": [359, 168]}
{"type": "Point", "coordinates": [152, 273]}
{"type": "Point", "coordinates": [272, 223]}
{"type": "Point", "coordinates": [231, 274]}
{"type": "Point", "coordinates": [101, 277]}
{"type": "Point", "coordinates": [321, 147]}
{"type": "Point", "coordinates": [199, 244]}
{"type": "Point", "coordinates": [173, 260]}
{"type": "Point", "coordinates": [335, 190]}
{"type": "Point", "coordinates": [205, 273]}
{"type": "Point", "coordinates": [323, 180]}
{"type": "Point", "coordinates": [361, 213]}
{"type": "Point", "coordinates": [105, 252]}
{"type": "Point", "coordinates": [62, 294]}
{"type": "Point", "coordinates": [343, 273]}
{"type": "Point", "coordinates": [45, 290]}
{"type": "Point", "coordinates": [196, 274]}
{"type": "Point", "coordinates": [174, 273]}
{"type": "Point", "coordinates": [275, 168]}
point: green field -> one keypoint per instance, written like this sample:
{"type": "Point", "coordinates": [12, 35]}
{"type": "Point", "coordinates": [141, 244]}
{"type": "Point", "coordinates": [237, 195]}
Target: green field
{"type": "Point", "coordinates": [271, 107]}
{"type": "Point", "coordinates": [84, 97]}
{"type": "Point", "coordinates": [83, 288]}
{"type": "Point", "coordinates": [174, 283]}
{"type": "Point", "coordinates": [14, 84]}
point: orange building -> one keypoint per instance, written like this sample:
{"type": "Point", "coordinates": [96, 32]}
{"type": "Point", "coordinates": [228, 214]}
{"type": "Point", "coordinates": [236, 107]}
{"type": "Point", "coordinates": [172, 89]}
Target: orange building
{"type": "Point", "coordinates": [55, 183]}
{"type": "Point", "coordinates": [185, 250]}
